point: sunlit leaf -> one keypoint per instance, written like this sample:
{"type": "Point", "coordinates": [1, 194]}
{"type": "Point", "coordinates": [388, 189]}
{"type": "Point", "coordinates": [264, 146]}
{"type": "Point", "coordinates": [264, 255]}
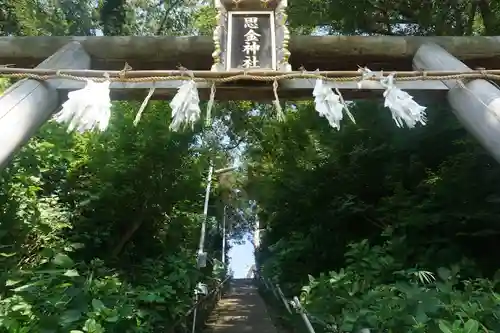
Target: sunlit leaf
{"type": "Point", "coordinates": [71, 273]}
{"type": "Point", "coordinates": [445, 326]}
{"type": "Point", "coordinates": [9, 283]}
{"type": "Point", "coordinates": [471, 326]}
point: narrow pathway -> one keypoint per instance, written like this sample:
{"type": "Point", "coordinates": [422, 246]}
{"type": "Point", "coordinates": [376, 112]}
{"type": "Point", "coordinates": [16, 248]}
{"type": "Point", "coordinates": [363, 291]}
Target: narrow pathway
{"type": "Point", "coordinates": [241, 310]}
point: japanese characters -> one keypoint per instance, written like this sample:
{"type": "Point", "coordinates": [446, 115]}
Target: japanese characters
{"type": "Point", "coordinates": [251, 46]}
{"type": "Point", "coordinates": [251, 41]}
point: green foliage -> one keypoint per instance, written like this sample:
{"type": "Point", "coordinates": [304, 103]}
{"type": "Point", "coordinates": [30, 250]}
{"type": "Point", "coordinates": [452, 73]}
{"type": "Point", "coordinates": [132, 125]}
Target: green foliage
{"type": "Point", "coordinates": [81, 250]}
{"type": "Point", "coordinates": [99, 232]}
{"type": "Point", "coordinates": [374, 291]}
{"type": "Point", "coordinates": [396, 17]}
{"type": "Point", "coordinates": [61, 296]}
{"type": "Point", "coordinates": [204, 20]}
{"type": "Point", "coordinates": [377, 226]}
{"type": "Point", "coordinates": [113, 15]}
{"type": "Point", "coordinates": [374, 213]}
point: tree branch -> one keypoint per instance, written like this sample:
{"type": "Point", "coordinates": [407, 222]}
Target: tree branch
{"type": "Point", "coordinates": [165, 16]}
{"type": "Point", "coordinates": [472, 15]}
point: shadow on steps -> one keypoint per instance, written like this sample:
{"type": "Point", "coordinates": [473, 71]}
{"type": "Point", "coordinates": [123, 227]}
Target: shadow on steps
{"type": "Point", "coordinates": [241, 310]}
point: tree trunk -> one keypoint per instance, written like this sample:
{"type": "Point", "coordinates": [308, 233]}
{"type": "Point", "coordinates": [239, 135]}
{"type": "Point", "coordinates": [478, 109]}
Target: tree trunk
{"type": "Point", "coordinates": [128, 235]}
{"type": "Point", "coordinates": [130, 232]}
{"type": "Point", "coordinates": [490, 21]}
{"type": "Point", "coordinates": [471, 19]}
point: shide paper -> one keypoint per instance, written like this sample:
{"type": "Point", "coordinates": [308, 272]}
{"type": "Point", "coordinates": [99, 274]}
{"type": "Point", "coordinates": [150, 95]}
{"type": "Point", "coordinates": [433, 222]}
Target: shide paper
{"type": "Point", "coordinates": [87, 109]}
{"type": "Point", "coordinates": [403, 108]}
{"type": "Point", "coordinates": [328, 104]}
{"type": "Point", "coordinates": [185, 106]}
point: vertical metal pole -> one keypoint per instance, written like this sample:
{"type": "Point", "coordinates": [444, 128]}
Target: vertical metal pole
{"type": "Point", "coordinates": [224, 236]}
{"type": "Point", "coordinates": [205, 208]}
{"type": "Point", "coordinates": [193, 328]}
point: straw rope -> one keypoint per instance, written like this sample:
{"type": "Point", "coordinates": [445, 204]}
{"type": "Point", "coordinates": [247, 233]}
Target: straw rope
{"type": "Point", "coordinates": [213, 77]}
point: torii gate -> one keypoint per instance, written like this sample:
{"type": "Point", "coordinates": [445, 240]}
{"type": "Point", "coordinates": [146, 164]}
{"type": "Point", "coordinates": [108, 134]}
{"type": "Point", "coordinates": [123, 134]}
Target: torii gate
{"type": "Point", "coordinates": [25, 106]}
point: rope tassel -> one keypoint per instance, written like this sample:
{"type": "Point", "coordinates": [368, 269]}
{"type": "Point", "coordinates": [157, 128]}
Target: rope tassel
{"type": "Point", "coordinates": [276, 102]}
{"type": "Point", "coordinates": [143, 106]}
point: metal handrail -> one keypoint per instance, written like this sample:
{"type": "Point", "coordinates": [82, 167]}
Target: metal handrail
{"type": "Point", "coordinates": [199, 302]}
{"type": "Point", "coordinates": [207, 296]}
{"type": "Point", "coordinates": [297, 306]}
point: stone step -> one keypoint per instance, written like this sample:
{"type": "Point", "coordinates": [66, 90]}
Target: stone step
{"type": "Point", "coordinates": [241, 310]}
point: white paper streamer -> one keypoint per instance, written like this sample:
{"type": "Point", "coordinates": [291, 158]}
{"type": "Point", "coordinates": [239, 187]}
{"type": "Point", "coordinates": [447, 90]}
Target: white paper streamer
{"type": "Point", "coordinates": [328, 104]}
{"type": "Point", "coordinates": [87, 109]}
{"type": "Point", "coordinates": [403, 108]}
{"type": "Point", "coordinates": [185, 106]}
{"type": "Point", "coordinates": [366, 73]}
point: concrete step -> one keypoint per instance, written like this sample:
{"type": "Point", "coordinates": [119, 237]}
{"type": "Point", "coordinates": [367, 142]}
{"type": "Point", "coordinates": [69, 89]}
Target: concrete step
{"type": "Point", "coordinates": [241, 310]}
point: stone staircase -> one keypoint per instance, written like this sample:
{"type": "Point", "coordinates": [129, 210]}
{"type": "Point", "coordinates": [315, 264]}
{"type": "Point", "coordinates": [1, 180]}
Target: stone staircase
{"type": "Point", "coordinates": [241, 310]}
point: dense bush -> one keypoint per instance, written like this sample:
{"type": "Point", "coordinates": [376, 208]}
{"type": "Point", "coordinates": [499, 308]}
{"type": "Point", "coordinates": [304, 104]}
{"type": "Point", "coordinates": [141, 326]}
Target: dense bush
{"type": "Point", "coordinates": [392, 225]}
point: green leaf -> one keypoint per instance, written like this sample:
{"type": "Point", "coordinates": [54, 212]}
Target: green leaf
{"type": "Point", "coordinates": [20, 306]}
{"type": "Point", "coordinates": [471, 326]}
{"type": "Point", "coordinates": [47, 253]}
{"type": "Point", "coordinates": [445, 326]}
{"type": "Point", "coordinates": [457, 325]}
{"type": "Point", "coordinates": [70, 316]}
{"type": "Point", "coordinates": [62, 260]}
{"type": "Point", "coordinates": [113, 319]}
{"type": "Point", "coordinates": [348, 322]}
{"type": "Point", "coordinates": [9, 283]}
{"type": "Point", "coordinates": [71, 273]}
{"type": "Point", "coordinates": [92, 326]}
{"type": "Point", "coordinates": [444, 273]}
{"type": "Point", "coordinates": [26, 287]}
{"type": "Point", "coordinates": [49, 271]}
{"type": "Point", "coordinates": [98, 305]}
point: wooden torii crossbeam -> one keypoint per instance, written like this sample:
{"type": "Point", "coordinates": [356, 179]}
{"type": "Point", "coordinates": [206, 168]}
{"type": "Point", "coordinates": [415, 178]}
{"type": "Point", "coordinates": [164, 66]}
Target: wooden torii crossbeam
{"type": "Point", "coordinates": [387, 53]}
{"type": "Point", "coordinates": [29, 103]}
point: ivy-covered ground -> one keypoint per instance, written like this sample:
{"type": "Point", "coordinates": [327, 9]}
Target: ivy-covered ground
{"type": "Point", "coordinates": [374, 226]}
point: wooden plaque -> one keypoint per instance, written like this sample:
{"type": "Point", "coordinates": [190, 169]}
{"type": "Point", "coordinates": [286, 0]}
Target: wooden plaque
{"type": "Point", "coordinates": [251, 41]}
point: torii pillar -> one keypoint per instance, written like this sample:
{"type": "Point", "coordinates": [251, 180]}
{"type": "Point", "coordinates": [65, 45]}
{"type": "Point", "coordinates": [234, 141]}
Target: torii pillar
{"type": "Point", "coordinates": [476, 103]}
{"type": "Point", "coordinates": [28, 104]}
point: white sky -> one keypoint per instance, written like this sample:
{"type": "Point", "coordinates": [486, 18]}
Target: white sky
{"type": "Point", "coordinates": [241, 258]}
